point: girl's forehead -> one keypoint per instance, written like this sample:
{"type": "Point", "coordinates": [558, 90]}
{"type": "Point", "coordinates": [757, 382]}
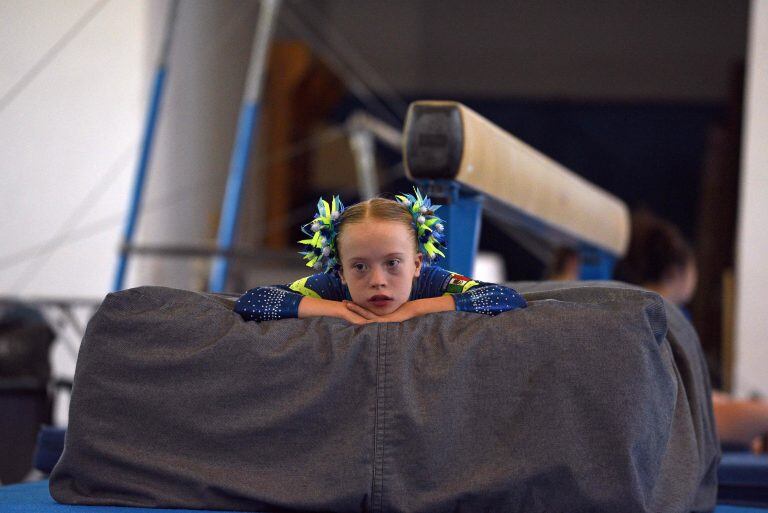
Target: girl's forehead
{"type": "Point", "coordinates": [377, 226]}
{"type": "Point", "coordinates": [376, 237]}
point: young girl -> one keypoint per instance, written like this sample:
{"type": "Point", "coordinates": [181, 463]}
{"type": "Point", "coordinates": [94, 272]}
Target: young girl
{"type": "Point", "coordinates": [375, 260]}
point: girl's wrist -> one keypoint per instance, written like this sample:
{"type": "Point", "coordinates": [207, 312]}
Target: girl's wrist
{"type": "Point", "coordinates": [434, 304]}
{"type": "Point", "coordinates": [316, 307]}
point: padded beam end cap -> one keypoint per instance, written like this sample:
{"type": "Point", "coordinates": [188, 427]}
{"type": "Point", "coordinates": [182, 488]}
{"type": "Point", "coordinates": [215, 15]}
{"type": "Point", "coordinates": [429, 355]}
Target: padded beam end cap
{"type": "Point", "coordinates": [433, 141]}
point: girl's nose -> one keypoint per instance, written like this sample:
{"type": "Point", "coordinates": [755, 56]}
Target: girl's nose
{"type": "Point", "coordinates": [377, 278]}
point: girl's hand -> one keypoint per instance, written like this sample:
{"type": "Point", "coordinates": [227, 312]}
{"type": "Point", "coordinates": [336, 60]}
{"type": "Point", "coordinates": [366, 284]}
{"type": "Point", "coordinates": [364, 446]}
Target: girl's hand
{"type": "Point", "coordinates": [407, 310]}
{"type": "Point", "coordinates": [314, 307]}
{"type": "Point", "coordinates": [352, 316]}
{"type": "Point", "coordinates": [360, 311]}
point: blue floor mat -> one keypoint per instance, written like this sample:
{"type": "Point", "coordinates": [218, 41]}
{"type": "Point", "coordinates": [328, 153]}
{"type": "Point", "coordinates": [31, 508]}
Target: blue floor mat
{"type": "Point", "coordinates": [35, 498]}
{"type": "Point", "coordinates": [743, 479]}
{"type": "Point", "coordinates": [738, 509]}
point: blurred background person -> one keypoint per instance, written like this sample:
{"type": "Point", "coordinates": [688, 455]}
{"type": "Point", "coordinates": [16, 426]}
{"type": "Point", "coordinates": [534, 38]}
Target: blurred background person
{"type": "Point", "coordinates": [564, 266]}
{"type": "Point", "coordinates": [661, 260]}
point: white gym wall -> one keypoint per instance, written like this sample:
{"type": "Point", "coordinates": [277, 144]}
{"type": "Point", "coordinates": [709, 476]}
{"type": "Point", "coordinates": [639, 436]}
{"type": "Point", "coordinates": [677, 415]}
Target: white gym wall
{"type": "Point", "coordinates": [751, 372]}
{"type": "Point", "coordinates": [69, 132]}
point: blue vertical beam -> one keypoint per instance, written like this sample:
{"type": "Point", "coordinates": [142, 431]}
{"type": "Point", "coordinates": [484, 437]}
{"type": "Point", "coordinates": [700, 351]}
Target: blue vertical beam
{"type": "Point", "coordinates": [246, 126]}
{"type": "Point", "coordinates": [596, 263]}
{"type": "Point", "coordinates": [463, 233]}
{"type": "Point", "coordinates": [146, 146]}
{"type": "Point", "coordinates": [462, 212]}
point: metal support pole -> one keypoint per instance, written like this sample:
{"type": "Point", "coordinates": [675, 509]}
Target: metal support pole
{"type": "Point", "coordinates": [364, 130]}
{"type": "Point", "coordinates": [364, 150]}
{"type": "Point", "coordinates": [246, 126]}
{"type": "Point", "coordinates": [146, 145]}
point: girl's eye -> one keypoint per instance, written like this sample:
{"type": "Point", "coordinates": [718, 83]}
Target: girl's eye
{"type": "Point", "coordinates": [359, 267]}
{"type": "Point", "coordinates": [393, 263]}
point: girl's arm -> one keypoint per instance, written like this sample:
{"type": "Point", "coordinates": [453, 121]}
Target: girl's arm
{"type": "Point", "coordinates": [313, 296]}
{"type": "Point", "coordinates": [268, 303]}
{"type": "Point", "coordinates": [317, 307]}
{"type": "Point", "coordinates": [469, 295]}
{"type": "Point", "coordinates": [489, 299]}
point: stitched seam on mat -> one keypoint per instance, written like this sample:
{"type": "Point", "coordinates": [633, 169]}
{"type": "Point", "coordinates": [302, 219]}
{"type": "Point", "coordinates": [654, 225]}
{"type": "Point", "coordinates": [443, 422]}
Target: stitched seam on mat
{"type": "Point", "coordinates": [374, 488]}
{"type": "Point", "coordinates": [384, 413]}
{"type": "Point", "coordinates": [375, 427]}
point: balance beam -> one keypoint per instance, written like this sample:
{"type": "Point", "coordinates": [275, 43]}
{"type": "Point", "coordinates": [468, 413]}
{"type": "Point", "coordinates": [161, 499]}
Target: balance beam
{"type": "Point", "coordinates": [445, 140]}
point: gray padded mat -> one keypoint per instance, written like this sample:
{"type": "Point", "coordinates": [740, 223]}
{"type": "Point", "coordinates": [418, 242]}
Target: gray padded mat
{"type": "Point", "coordinates": [584, 401]}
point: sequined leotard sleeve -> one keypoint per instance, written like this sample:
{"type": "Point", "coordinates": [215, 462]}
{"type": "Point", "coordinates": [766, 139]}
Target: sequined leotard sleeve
{"type": "Point", "coordinates": [282, 301]}
{"type": "Point", "coordinates": [470, 295]}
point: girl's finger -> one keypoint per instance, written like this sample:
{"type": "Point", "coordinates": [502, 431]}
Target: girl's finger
{"type": "Point", "coordinates": [357, 319]}
{"type": "Point", "coordinates": [354, 307]}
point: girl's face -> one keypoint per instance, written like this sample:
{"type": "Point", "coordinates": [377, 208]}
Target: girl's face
{"type": "Point", "coordinates": [379, 263]}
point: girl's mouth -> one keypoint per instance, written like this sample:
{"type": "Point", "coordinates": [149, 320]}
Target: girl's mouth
{"type": "Point", "coordinates": [379, 300]}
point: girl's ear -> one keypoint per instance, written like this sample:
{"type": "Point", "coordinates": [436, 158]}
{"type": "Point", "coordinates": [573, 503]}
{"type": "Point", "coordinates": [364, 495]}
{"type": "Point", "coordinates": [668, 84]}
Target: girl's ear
{"type": "Point", "coordinates": [341, 275]}
{"type": "Point", "coordinates": [419, 262]}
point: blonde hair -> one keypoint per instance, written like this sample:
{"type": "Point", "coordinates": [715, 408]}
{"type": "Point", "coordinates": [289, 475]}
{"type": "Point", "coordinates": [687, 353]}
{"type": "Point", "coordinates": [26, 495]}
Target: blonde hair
{"type": "Point", "coordinates": [381, 209]}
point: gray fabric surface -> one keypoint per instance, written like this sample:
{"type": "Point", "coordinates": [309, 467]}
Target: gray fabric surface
{"type": "Point", "coordinates": [581, 402]}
